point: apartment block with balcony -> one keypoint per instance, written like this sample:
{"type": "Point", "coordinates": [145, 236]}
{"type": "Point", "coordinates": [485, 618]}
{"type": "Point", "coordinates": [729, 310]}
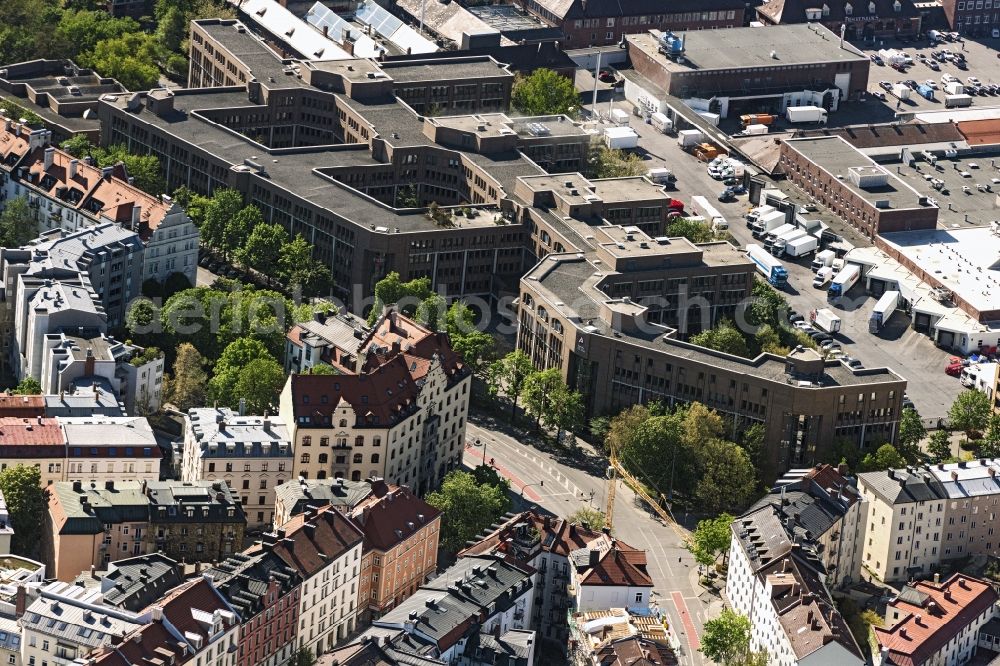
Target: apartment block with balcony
{"type": "Point", "coordinates": [251, 454]}
{"type": "Point", "coordinates": [194, 521]}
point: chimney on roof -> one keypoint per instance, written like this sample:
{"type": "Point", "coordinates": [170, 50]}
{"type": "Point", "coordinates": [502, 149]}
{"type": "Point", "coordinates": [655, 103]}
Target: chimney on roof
{"type": "Point", "coordinates": [937, 578]}
{"type": "Point", "coordinates": [136, 215]}
{"type": "Point", "coordinates": [954, 475]}
{"type": "Point", "coordinates": [73, 165]}
{"type": "Point", "coordinates": [20, 601]}
{"type": "Point", "coordinates": [47, 157]}
{"type": "Point", "coordinates": [243, 406]}
{"type": "Point", "coordinates": [595, 557]}
{"type": "Point", "coordinates": [902, 632]}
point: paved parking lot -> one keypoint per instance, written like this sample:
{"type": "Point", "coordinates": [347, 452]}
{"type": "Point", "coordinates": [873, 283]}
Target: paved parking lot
{"type": "Point", "coordinates": [899, 347]}
{"type": "Point", "coordinates": [981, 57]}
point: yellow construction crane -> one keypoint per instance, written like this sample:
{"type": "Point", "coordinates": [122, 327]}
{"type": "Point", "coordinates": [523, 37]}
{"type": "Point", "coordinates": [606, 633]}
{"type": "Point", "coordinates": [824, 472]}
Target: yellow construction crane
{"type": "Point", "coordinates": [616, 469]}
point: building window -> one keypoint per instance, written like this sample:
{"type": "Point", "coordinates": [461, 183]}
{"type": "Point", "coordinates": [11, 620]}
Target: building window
{"type": "Point", "coordinates": [307, 441]}
{"type": "Point", "coordinates": [304, 459]}
{"type": "Point", "coordinates": [357, 458]}
{"type": "Point", "coordinates": [323, 458]}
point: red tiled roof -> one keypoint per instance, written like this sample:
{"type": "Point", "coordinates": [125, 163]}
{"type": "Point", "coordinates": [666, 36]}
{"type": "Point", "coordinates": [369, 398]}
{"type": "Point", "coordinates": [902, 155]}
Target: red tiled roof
{"type": "Point", "coordinates": [386, 520]}
{"type": "Point", "coordinates": [154, 642]}
{"type": "Point", "coordinates": [31, 438]}
{"type": "Point", "coordinates": [197, 594]}
{"type": "Point", "coordinates": [957, 602]}
{"type": "Point", "coordinates": [635, 651]}
{"type": "Point", "coordinates": [310, 545]}
{"type": "Point", "coordinates": [21, 406]}
{"type": "Point", "coordinates": [558, 535]}
{"type": "Point", "coordinates": [618, 567]}
{"type": "Point", "coordinates": [980, 132]}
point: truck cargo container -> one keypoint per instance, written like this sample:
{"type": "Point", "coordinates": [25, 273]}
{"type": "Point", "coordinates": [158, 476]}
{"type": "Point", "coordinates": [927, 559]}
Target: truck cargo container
{"type": "Point", "coordinates": [926, 92]}
{"type": "Point", "coordinates": [957, 101]}
{"type": "Point", "coordinates": [806, 114]}
{"type": "Point", "coordinates": [767, 223]}
{"type": "Point", "coordinates": [954, 88]}
{"type": "Point", "coordinates": [768, 266]}
{"type": "Point", "coordinates": [774, 233]}
{"type": "Point", "coordinates": [662, 176]}
{"type": "Point", "coordinates": [883, 310]}
{"type": "Point", "coordinates": [758, 213]}
{"type": "Point", "coordinates": [823, 259]}
{"type": "Point", "coordinates": [823, 276]}
{"type": "Point", "coordinates": [757, 119]}
{"type": "Point", "coordinates": [701, 206]}
{"type": "Point", "coordinates": [825, 320]}
{"type": "Point", "coordinates": [621, 138]}
{"type": "Point", "coordinates": [846, 278]}
{"type": "Point", "coordinates": [619, 117]}
{"type": "Point", "coordinates": [901, 91]}
{"type": "Point", "coordinates": [663, 124]}
{"type": "Point", "coordinates": [755, 130]}
{"type": "Point", "coordinates": [801, 246]}
{"type": "Point", "coordinates": [689, 138]}
{"type": "Point", "coordinates": [778, 244]}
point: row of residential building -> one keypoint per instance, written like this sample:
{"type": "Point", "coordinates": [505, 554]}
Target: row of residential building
{"type": "Point", "coordinates": [819, 533]}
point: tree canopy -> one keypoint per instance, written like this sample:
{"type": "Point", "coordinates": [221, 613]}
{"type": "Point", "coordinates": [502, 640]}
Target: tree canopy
{"type": "Point", "coordinates": [726, 639]}
{"type": "Point", "coordinates": [22, 492]}
{"type": "Point", "coordinates": [711, 539]}
{"type": "Point", "coordinates": [970, 412]}
{"type": "Point", "coordinates": [544, 92]}
{"type": "Point", "coordinates": [18, 223]}
{"type": "Point", "coordinates": [613, 163]}
{"type": "Point", "coordinates": [467, 508]}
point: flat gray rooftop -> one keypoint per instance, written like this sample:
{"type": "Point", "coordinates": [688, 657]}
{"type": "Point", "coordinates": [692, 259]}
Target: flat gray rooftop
{"type": "Point", "coordinates": [262, 61]}
{"type": "Point", "coordinates": [738, 48]}
{"type": "Point", "coordinates": [837, 157]}
{"type": "Point", "coordinates": [442, 70]}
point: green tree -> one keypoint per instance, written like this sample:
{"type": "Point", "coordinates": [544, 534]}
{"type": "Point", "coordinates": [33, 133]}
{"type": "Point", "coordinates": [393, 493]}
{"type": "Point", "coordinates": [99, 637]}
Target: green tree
{"type": "Point", "coordinates": [538, 390]}
{"type": "Point", "coordinates": [223, 206]}
{"type": "Point", "coordinates": [599, 426]}
{"type": "Point", "coordinates": [611, 163]}
{"type": "Point", "coordinates": [544, 92]}
{"type": "Point", "coordinates": [80, 31]}
{"type": "Point", "coordinates": [726, 479]}
{"type": "Point", "coordinates": [230, 367]}
{"type": "Point", "coordinates": [990, 446]}
{"type": "Point", "coordinates": [768, 340]}
{"type": "Point", "coordinates": [693, 230]}
{"type": "Point", "coordinates": [911, 432]}
{"type": "Point", "coordinates": [322, 369]}
{"type": "Point", "coordinates": [488, 475]}
{"type": "Point", "coordinates": [175, 282]}
{"type": "Point", "coordinates": [467, 508]}
{"type": "Point", "coordinates": [171, 28]}
{"type": "Point", "coordinates": [724, 337]}
{"type": "Point", "coordinates": [969, 412]}
{"type": "Point", "coordinates": [298, 269]}
{"type": "Point", "coordinates": [77, 145]}
{"type": "Point", "coordinates": [259, 384]}
{"type": "Point", "coordinates": [28, 386]}
{"type": "Point", "coordinates": [726, 639]}
{"type": "Point", "coordinates": [711, 539]}
{"type": "Point", "coordinates": [475, 346]}
{"type": "Point", "coordinates": [238, 229]}
{"type": "Point", "coordinates": [431, 312]}
{"type": "Point", "coordinates": [303, 657]}
{"type": "Point", "coordinates": [262, 249]}
{"type": "Point", "coordinates": [939, 445]}
{"type": "Point", "coordinates": [130, 58]}
{"type": "Point", "coordinates": [186, 389]}
{"type": "Point", "coordinates": [567, 413]}
{"type": "Point", "coordinates": [508, 375]}
{"type": "Point", "coordinates": [592, 518]}
{"type": "Point", "coordinates": [25, 499]}
{"type": "Point", "coordinates": [18, 223]}
{"type": "Point", "coordinates": [885, 457]}
{"type": "Point", "coordinates": [195, 205]}
{"type": "Point", "coordinates": [391, 290]}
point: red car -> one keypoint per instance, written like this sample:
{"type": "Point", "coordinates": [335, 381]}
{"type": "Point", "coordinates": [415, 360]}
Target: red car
{"type": "Point", "coordinates": [955, 369]}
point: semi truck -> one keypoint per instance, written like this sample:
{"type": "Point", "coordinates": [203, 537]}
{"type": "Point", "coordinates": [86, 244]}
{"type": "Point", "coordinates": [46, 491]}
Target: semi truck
{"type": "Point", "coordinates": [846, 278]}
{"type": "Point", "coordinates": [767, 223]}
{"type": "Point", "coordinates": [701, 206]}
{"type": "Point", "coordinates": [882, 311]}
{"type": "Point", "coordinates": [801, 246]}
{"type": "Point", "coordinates": [957, 101]}
{"type": "Point", "coordinates": [758, 213]}
{"type": "Point", "coordinates": [781, 242]}
{"type": "Point", "coordinates": [823, 259]}
{"type": "Point", "coordinates": [825, 320]}
{"type": "Point", "coordinates": [823, 276]}
{"type": "Point", "coordinates": [779, 231]}
{"type": "Point", "coordinates": [806, 114]}
{"type": "Point", "coordinates": [768, 266]}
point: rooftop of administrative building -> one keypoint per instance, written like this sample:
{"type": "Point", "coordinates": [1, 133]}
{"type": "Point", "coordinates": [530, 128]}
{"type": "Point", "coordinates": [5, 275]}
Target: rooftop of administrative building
{"type": "Point", "coordinates": [843, 161]}
{"type": "Point", "coordinates": [569, 284]}
{"type": "Point", "coordinates": [773, 46]}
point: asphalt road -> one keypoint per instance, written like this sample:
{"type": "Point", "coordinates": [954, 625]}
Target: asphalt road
{"type": "Point", "coordinates": [562, 485]}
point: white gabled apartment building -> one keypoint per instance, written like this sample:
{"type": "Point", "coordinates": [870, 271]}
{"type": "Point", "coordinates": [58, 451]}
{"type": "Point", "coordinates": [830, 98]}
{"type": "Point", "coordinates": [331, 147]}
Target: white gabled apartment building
{"type": "Point", "coordinates": [396, 409]}
{"type": "Point", "coordinates": [780, 586]}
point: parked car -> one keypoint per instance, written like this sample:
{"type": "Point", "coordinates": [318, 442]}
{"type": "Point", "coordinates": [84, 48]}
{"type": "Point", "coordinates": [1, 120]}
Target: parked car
{"type": "Point", "coordinates": [954, 369]}
{"type": "Point", "coordinates": [726, 196]}
{"type": "Point", "coordinates": [877, 59]}
{"type": "Point", "coordinates": [885, 85]}
{"type": "Point", "coordinates": [607, 76]}
{"type": "Point", "coordinates": [934, 66]}
{"type": "Point", "coordinates": [794, 317]}
{"type": "Point", "coordinates": [853, 362]}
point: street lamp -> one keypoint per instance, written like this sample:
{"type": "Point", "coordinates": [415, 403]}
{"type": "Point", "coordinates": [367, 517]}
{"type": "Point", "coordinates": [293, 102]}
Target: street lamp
{"type": "Point", "coordinates": [479, 443]}
{"type": "Point", "coordinates": [540, 484]}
